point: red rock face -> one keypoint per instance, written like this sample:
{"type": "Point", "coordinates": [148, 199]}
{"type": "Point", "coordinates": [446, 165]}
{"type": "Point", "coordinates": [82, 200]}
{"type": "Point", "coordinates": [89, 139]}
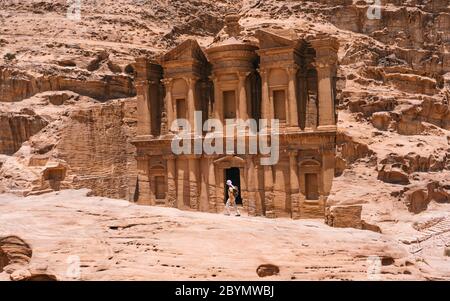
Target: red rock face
{"type": "Point", "coordinates": [18, 85]}
{"type": "Point", "coordinates": [14, 251]}
{"type": "Point", "coordinates": [95, 145]}
{"type": "Point", "coordinates": [4, 261]}
{"type": "Point", "coordinates": [16, 129]}
{"type": "Point", "coordinates": [399, 53]}
{"type": "Point", "coordinates": [392, 97]}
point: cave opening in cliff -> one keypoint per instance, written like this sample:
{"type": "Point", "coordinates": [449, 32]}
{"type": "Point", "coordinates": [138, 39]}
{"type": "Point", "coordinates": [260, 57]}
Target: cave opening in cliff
{"type": "Point", "coordinates": [234, 175]}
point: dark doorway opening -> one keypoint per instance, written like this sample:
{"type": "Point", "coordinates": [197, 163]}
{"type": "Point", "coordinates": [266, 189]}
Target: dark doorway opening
{"type": "Point", "coordinates": [234, 175]}
{"type": "Point", "coordinates": [312, 186]}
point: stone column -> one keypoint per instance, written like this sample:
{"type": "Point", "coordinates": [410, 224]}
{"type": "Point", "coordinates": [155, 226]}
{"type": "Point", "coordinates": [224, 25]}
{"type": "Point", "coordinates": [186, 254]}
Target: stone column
{"type": "Point", "coordinates": [145, 193]}
{"type": "Point", "coordinates": [218, 101]}
{"type": "Point", "coordinates": [144, 122]}
{"type": "Point", "coordinates": [204, 176]}
{"type": "Point", "coordinates": [244, 187]}
{"type": "Point", "coordinates": [302, 191]}
{"type": "Point", "coordinates": [292, 97]}
{"type": "Point", "coordinates": [212, 186]}
{"type": "Point", "coordinates": [193, 187]}
{"type": "Point", "coordinates": [252, 180]}
{"type": "Point", "coordinates": [258, 184]}
{"type": "Point", "coordinates": [294, 183]}
{"type": "Point", "coordinates": [191, 100]}
{"type": "Point", "coordinates": [326, 61]}
{"type": "Point", "coordinates": [303, 97]}
{"type": "Point", "coordinates": [220, 189]}
{"type": "Point", "coordinates": [242, 102]}
{"type": "Point", "coordinates": [182, 175]}
{"type": "Point", "coordinates": [170, 110]}
{"type": "Point", "coordinates": [325, 77]}
{"type": "Point", "coordinates": [268, 191]}
{"type": "Point", "coordinates": [171, 182]}
{"type": "Point", "coordinates": [328, 166]}
{"type": "Point", "coordinates": [265, 102]}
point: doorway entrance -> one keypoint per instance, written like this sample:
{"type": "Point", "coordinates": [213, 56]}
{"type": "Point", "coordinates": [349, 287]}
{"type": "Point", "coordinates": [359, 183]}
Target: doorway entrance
{"type": "Point", "coordinates": [312, 186]}
{"type": "Point", "coordinates": [234, 175]}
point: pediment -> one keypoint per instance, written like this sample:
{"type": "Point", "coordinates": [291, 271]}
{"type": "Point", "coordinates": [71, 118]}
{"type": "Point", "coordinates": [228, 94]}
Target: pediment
{"type": "Point", "coordinates": [309, 162]}
{"type": "Point", "coordinates": [186, 51]}
{"type": "Point", "coordinates": [271, 39]}
{"type": "Point", "coordinates": [230, 161]}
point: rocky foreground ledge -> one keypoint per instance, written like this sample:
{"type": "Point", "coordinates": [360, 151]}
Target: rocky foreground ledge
{"type": "Point", "coordinates": [69, 236]}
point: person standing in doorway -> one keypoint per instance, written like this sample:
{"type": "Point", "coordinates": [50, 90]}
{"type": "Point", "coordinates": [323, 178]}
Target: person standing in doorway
{"type": "Point", "coordinates": [232, 193]}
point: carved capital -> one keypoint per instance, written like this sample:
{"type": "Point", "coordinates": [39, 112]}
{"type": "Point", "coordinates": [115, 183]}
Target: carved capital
{"type": "Point", "coordinates": [328, 62]}
{"type": "Point", "coordinates": [292, 70]}
{"type": "Point", "coordinates": [243, 74]}
{"type": "Point", "coordinates": [192, 156]}
{"type": "Point", "coordinates": [167, 82]}
{"type": "Point", "coordinates": [263, 72]}
{"type": "Point", "coordinates": [211, 156]}
{"type": "Point", "coordinates": [142, 83]}
{"type": "Point", "coordinates": [192, 80]}
{"type": "Point", "coordinates": [169, 157]}
{"type": "Point", "coordinates": [215, 79]}
{"type": "Point", "coordinates": [293, 153]}
{"type": "Point", "coordinates": [324, 41]}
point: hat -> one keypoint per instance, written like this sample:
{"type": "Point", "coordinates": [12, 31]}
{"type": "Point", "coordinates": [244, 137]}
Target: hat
{"type": "Point", "coordinates": [229, 183]}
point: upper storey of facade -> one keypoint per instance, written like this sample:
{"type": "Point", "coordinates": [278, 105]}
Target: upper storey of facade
{"type": "Point", "coordinates": [277, 76]}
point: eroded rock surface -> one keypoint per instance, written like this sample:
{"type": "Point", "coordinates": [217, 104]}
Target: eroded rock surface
{"type": "Point", "coordinates": [393, 103]}
{"type": "Point", "coordinates": [84, 144]}
{"type": "Point", "coordinates": [17, 128]}
{"type": "Point", "coordinates": [112, 240]}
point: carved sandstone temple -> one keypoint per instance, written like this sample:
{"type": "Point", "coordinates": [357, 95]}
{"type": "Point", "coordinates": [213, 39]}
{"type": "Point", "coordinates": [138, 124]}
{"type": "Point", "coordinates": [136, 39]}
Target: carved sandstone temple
{"type": "Point", "coordinates": [277, 77]}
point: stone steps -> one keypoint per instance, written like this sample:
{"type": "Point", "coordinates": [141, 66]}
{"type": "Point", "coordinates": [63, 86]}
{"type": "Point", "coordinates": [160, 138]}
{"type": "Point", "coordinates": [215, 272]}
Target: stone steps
{"type": "Point", "coordinates": [438, 229]}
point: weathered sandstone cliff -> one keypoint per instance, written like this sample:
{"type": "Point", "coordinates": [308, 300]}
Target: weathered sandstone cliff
{"type": "Point", "coordinates": [67, 111]}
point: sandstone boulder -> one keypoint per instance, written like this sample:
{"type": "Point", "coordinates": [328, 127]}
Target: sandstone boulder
{"type": "Point", "coordinates": [381, 120]}
{"type": "Point", "coordinates": [349, 150]}
{"type": "Point", "coordinates": [447, 251]}
{"type": "Point", "coordinates": [14, 253]}
{"type": "Point", "coordinates": [265, 270]}
{"type": "Point", "coordinates": [344, 216]}
{"type": "Point", "coordinates": [438, 193]}
{"type": "Point", "coordinates": [419, 118]}
{"type": "Point", "coordinates": [370, 227]}
{"type": "Point", "coordinates": [66, 62]}
{"type": "Point", "coordinates": [417, 200]}
{"type": "Point", "coordinates": [348, 217]}
{"type": "Point", "coordinates": [20, 275]}
{"type": "Point", "coordinates": [4, 260]}
{"type": "Point", "coordinates": [393, 174]}
{"type": "Point", "coordinates": [28, 274]}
